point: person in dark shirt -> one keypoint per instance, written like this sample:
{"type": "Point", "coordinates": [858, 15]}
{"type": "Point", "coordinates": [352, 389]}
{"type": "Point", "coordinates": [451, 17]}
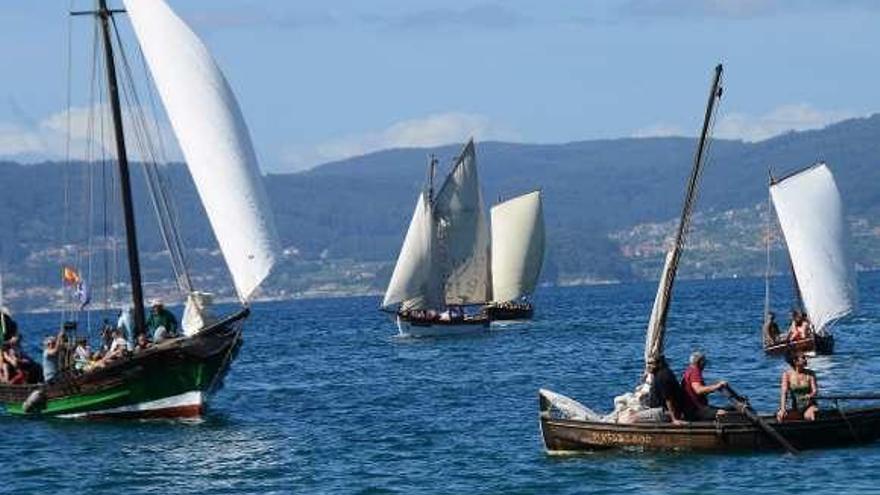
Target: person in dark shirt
{"type": "Point", "coordinates": [696, 404]}
{"type": "Point", "coordinates": [665, 400]}
{"type": "Point", "coordinates": [162, 323]}
{"type": "Point", "coordinates": [770, 330]}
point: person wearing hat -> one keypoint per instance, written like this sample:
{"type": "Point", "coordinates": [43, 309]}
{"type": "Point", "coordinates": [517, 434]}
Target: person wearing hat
{"type": "Point", "coordinates": [162, 324]}
{"type": "Point", "coordinates": [696, 403]}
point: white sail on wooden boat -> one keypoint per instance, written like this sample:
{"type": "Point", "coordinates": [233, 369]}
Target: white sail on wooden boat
{"type": "Point", "coordinates": [517, 255]}
{"type": "Point", "coordinates": [810, 212]}
{"type": "Point", "coordinates": [444, 260]}
{"type": "Point", "coordinates": [174, 377]}
{"type": "Point", "coordinates": [214, 139]}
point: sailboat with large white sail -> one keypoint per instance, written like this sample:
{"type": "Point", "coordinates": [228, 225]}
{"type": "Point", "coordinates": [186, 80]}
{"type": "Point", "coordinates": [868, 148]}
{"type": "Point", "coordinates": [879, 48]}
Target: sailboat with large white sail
{"type": "Point", "coordinates": [443, 266]}
{"type": "Point", "coordinates": [174, 377]}
{"type": "Point", "coordinates": [517, 255]}
{"type": "Point", "coordinates": [810, 212]}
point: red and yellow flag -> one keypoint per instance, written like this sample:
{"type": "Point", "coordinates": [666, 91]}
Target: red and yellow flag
{"type": "Point", "coordinates": [69, 275]}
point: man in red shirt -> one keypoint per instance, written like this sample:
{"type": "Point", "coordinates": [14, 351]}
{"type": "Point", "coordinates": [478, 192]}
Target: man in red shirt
{"type": "Point", "coordinates": [696, 404]}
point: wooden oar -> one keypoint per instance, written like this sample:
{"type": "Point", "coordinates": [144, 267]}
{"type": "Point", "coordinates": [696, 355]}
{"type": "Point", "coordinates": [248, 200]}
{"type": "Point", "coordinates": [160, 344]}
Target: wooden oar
{"type": "Point", "coordinates": [849, 397]}
{"type": "Point", "coordinates": [742, 405]}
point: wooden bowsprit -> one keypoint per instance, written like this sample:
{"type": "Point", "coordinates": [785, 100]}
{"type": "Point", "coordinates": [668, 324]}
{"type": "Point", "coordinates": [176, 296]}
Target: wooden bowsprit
{"type": "Point", "coordinates": [742, 405]}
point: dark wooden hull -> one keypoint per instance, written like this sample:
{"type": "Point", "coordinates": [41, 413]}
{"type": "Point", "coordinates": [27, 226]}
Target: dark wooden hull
{"type": "Point", "coordinates": [171, 379]}
{"type": "Point", "coordinates": [733, 433]}
{"type": "Point", "coordinates": [503, 313]}
{"type": "Point", "coordinates": [819, 344]}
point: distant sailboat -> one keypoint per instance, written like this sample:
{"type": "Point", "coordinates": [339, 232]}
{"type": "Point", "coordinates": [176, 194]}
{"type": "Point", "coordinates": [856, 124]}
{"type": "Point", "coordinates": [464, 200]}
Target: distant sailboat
{"type": "Point", "coordinates": [517, 256]}
{"type": "Point", "coordinates": [175, 377]}
{"type": "Point", "coordinates": [810, 212]}
{"type": "Point", "coordinates": [443, 266]}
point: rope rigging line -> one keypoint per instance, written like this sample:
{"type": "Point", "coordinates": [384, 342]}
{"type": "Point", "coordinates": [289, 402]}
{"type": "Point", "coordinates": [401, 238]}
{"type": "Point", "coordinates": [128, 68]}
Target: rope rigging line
{"type": "Point", "coordinates": [151, 156]}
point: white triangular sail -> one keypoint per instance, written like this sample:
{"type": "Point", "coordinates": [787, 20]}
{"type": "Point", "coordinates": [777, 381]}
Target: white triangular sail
{"type": "Point", "coordinates": [214, 139]}
{"type": "Point", "coordinates": [414, 283]}
{"type": "Point", "coordinates": [463, 233]}
{"type": "Point", "coordinates": [517, 246]}
{"type": "Point", "coordinates": [655, 336]}
{"type": "Point", "coordinates": [810, 213]}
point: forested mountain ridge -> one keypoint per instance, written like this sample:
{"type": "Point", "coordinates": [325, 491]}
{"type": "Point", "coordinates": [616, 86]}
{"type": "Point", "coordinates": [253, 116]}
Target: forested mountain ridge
{"type": "Point", "coordinates": [342, 223]}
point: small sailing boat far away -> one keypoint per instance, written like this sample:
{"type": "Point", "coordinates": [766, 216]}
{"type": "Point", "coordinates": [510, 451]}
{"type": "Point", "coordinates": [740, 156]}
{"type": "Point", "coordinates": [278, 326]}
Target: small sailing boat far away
{"type": "Point", "coordinates": [442, 271]}
{"type": "Point", "coordinates": [810, 212]}
{"type": "Point", "coordinates": [517, 256]}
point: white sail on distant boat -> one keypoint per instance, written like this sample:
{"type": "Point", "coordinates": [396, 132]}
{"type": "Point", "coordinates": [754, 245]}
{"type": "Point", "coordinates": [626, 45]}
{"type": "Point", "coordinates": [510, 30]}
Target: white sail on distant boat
{"type": "Point", "coordinates": [443, 264]}
{"type": "Point", "coordinates": [517, 255]}
{"type": "Point", "coordinates": [810, 212]}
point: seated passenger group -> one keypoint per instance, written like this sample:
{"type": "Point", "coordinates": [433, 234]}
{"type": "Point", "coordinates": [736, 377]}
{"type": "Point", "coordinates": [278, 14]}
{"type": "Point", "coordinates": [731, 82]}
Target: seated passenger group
{"type": "Point", "coordinates": [59, 352]}
{"type": "Point", "coordinates": [678, 402]}
{"type": "Point", "coordinates": [798, 330]}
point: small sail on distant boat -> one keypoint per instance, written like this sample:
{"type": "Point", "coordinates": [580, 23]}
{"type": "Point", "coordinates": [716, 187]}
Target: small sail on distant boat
{"type": "Point", "coordinates": [173, 377]}
{"type": "Point", "coordinates": [810, 212]}
{"type": "Point", "coordinates": [517, 256]}
{"type": "Point", "coordinates": [443, 266]}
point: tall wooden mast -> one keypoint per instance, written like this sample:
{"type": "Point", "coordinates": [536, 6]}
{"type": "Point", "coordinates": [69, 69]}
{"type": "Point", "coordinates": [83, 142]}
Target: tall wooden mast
{"type": "Point", "coordinates": [137, 294]}
{"type": "Point", "coordinates": [657, 325]}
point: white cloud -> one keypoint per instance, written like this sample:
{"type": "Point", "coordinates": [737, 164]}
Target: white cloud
{"type": "Point", "coordinates": [794, 117]}
{"type": "Point", "coordinates": [15, 140]}
{"type": "Point", "coordinates": [747, 127]}
{"type": "Point", "coordinates": [433, 130]}
{"type": "Point", "coordinates": [659, 130]}
{"type": "Point", "coordinates": [90, 133]}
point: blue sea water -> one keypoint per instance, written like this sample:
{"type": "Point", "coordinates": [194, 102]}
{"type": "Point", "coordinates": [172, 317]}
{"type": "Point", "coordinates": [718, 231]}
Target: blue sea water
{"type": "Point", "coordinates": [325, 399]}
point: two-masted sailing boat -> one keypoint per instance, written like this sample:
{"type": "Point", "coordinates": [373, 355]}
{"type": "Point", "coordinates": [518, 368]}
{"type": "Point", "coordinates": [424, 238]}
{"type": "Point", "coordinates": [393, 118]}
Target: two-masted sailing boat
{"type": "Point", "coordinates": [810, 212]}
{"type": "Point", "coordinates": [568, 426]}
{"type": "Point", "coordinates": [175, 377]}
{"type": "Point", "coordinates": [443, 266]}
{"type": "Point", "coordinates": [517, 256]}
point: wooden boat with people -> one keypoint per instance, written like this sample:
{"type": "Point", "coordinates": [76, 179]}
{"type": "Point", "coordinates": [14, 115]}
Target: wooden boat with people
{"type": "Point", "coordinates": [568, 426]}
{"type": "Point", "coordinates": [809, 208]}
{"type": "Point", "coordinates": [442, 272]}
{"type": "Point", "coordinates": [170, 377]}
{"type": "Point", "coordinates": [729, 433]}
{"type": "Point", "coordinates": [813, 344]}
{"type": "Point", "coordinates": [517, 256]}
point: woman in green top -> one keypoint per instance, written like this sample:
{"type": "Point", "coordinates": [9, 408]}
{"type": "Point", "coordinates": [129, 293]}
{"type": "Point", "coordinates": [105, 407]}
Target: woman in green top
{"type": "Point", "coordinates": [798, 384]}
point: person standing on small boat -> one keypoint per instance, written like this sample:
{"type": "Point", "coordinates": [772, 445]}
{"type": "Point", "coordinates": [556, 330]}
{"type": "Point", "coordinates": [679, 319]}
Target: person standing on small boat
{"type": "Point", "coordinates": [696, 402]}
{"type": "Point", "coordinates": [51, 348]}
{"type": "Point", "coordinates": [798, 383]}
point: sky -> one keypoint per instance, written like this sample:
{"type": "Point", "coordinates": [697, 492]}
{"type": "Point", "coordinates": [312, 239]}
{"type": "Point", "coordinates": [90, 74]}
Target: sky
{"type": "Point", "coordinates": [319, 81]}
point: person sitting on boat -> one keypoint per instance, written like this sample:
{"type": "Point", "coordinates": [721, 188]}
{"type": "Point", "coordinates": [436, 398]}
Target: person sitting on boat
{"type": "Point", "coordinates": [143, 343]}
{"type": "Point", "coordinates": [799, 328]}
{"type": "Point", "coordinates": [666, 397]}
{"type": "Point", "coordinates": [696, 404]}
{"type": "Point", "coordinates": [770, 330]}
{"type": "Point", "coordinates": [82, 355]}
{"type": "Point", "coordinates": [9, 369]}
{"type": "Point", "coordinates": [51, 349]}
{"type": "Point", "coordinates": [799, 384]}
{"type": "Point", "coordinates": [162, 323]}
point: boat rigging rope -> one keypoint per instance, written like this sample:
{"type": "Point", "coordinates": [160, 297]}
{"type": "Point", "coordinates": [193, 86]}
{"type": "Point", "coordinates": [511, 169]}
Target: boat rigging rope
{"type": "Point", "coordinates": [151, 156]}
